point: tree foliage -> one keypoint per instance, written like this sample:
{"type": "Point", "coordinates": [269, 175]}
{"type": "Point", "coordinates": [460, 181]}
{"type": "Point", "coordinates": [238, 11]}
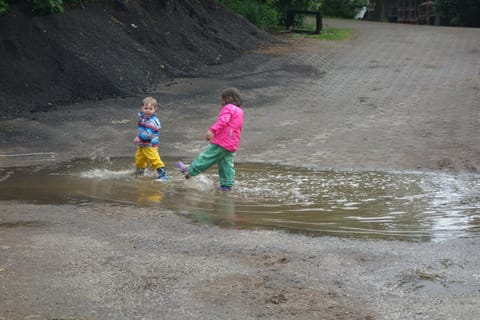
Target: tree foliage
{"type": "Point", "coordinates": [3, 7]}
{"type": "Point", "coordinates": [284, 5]}
{"type": "Point", "coordinates": [268, 14]}
{"type": "Point", "coordinates": [460, 12]}
{"type": "Point", "coordinates": [262, 14]}
{"type": "Point", "coordinates": [46, 6]}
{"type": "Point", "coordinates": [342, 8]}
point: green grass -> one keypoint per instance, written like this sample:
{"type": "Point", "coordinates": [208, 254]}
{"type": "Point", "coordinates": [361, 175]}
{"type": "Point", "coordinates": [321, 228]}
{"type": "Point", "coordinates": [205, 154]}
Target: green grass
{"type": "Point", "coordinates": [334, 34]}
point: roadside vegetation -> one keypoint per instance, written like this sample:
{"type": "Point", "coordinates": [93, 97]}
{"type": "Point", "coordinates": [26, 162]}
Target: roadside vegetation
{"type": "Point", "coordinates": [464, 13]}
{"type": "Point", "coordinates": [334, 34]}
{"type": "Point", "coordinates": [270, 14]}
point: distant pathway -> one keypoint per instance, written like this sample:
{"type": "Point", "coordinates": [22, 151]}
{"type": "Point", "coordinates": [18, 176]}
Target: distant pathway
{"type": "Point", "coordinates": [394, 97]}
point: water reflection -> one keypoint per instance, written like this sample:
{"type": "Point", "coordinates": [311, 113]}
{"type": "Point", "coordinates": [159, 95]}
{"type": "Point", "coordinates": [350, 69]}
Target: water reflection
{"type": "Point", "coordinates": [386, 205]}
{"type": "Point", "coordinates": [220, 211]}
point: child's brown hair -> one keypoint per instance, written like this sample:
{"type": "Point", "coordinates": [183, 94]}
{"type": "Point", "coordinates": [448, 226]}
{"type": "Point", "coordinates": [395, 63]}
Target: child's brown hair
{"type": "Point", "coordinates": [150, 100]}
{"type": "Point", "coordinates": [231, 95]}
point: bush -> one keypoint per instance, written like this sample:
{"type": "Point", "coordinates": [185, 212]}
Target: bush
{"type": "Point", "coordinates": [47, 6]}
{"type": "Point", "coordinates": [342, 8]}
{"type": "Point", "coordinates": [260, 14]}
{"type": "Point", "coordinates": [40, 7]}
{"type": "Point", "coordinates": [464, 13]}
{"type": "Point", "coordinates": [3, 7]}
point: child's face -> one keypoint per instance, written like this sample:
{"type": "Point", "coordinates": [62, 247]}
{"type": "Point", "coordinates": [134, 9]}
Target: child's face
{"type": "Point", "coordinates": [148, 109]}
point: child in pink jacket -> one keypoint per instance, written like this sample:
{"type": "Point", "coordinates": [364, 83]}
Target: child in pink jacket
{"type": "Point", "coordinates": [224, 136]}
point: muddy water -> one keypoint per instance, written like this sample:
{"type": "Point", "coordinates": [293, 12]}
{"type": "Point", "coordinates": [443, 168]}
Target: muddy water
{"type": "Point", "coordinates": [411, 206]}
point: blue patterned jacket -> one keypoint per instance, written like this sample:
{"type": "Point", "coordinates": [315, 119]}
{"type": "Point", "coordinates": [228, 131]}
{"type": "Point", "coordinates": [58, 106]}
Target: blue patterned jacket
{"type": "Point", "coordinates": [148, 130]}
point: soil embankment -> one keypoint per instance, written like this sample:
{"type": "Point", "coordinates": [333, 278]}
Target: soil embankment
{"type": "Point", "coordinates": [112, 48]}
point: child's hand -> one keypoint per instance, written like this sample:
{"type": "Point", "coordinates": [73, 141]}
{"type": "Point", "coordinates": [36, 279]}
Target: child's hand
{"type": "Point", "coordinates": [136, 140]}
{"type": "Point", "coordinates": [209, 135]}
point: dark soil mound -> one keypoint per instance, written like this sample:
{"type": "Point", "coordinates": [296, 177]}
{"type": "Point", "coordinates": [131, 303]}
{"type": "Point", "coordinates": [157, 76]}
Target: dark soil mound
{"type": "Point", "coordinates": [112, 48]}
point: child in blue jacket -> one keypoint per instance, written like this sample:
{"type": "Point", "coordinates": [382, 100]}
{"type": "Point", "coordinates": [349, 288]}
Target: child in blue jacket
{"type": "Point", "coordinates": [147, 140]}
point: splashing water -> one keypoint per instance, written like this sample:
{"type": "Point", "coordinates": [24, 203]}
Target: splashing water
{"type": "Point", "coordinates": [387, 205]}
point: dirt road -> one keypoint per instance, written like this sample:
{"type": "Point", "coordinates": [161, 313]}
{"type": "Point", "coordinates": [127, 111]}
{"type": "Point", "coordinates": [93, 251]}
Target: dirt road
{"type": "Point", "coordinates": [396, 96]}
{"type": "Point", "coordinates": [393, 97]}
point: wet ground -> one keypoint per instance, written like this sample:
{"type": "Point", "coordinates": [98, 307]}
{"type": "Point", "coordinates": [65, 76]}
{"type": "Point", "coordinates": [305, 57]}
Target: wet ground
{"type": "Point", "coordinates": [413, 206]}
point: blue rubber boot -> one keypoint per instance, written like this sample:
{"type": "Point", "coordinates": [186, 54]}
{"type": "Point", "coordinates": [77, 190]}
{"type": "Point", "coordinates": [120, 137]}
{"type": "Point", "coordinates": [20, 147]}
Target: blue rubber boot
{"type": "Point", "coordinates": [162, 174]}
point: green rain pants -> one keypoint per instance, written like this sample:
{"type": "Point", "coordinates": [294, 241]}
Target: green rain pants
{"type": "Point", "coordinates": [211, 155]}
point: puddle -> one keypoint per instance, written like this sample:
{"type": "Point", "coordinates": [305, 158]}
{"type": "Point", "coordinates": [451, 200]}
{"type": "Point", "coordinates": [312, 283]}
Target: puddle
{"type": "Point", "coordinates": [427, 279]}
{"type": "Point", "coordinates": [410, 206]}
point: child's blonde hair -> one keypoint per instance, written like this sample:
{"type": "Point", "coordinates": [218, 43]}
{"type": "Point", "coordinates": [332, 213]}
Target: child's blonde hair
{"type": "Point", "coordinates": [231, 95]}
{"type": "Point", "coordinates": [150, 100]}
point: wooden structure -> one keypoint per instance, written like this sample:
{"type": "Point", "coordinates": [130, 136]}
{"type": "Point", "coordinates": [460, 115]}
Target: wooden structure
{"type": "Point", "coordinates": [426, 13]}
{"type": "Point", "coordinates": [410, 11]}
{"type": "Point", "coordinates": [407, 11]}
{"type": "Point", "coordinates": [291, 19]}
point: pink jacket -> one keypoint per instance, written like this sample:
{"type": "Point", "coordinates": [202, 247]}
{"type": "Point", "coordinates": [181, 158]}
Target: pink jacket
{"type": "Point", "coordinates": [228, 127]}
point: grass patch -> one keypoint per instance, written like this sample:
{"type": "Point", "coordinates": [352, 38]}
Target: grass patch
{"type": "Point", "coordinates": [333, 34]}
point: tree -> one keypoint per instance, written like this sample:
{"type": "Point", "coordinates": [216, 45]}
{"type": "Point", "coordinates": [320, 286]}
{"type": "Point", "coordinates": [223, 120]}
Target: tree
{"type": "Point", "coordinates": [460, 12]}
{"type": "Point", "coordinates": [284, 5]}
{"type": "Point", "coordinates": [3, 7]}
{"type": "Point", "coordinates": [378, 11]}
{"type": "Point", "coordinates": [39, 7]}
{"type": "Point", "coordinates": [342, 8]}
